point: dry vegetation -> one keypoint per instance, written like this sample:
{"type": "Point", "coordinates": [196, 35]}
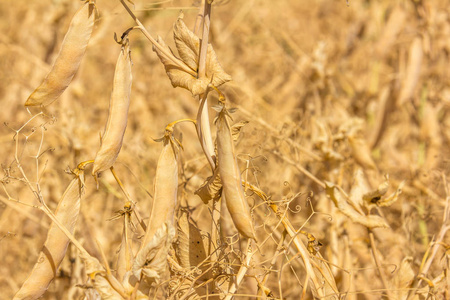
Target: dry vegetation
{"type": "Point", "coordinates": [336, 97]}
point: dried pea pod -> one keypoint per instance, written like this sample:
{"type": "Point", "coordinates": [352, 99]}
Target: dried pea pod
{"type": "Point", "coordinates": [55, 246]}
{"type": "Point", "coordinates": [231, 178]}
{"type": "Point", "coordinates": [112, 139]}
{"type": "Point", "coordinates": [69, 58]}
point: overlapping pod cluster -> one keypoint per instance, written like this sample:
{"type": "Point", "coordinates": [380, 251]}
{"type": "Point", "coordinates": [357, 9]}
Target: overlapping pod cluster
{"type": "Point", "coordinates": [151, 258]}
{"type": "Point", "coordinates": [55, 245]}
{"type": "Point", "coordinates": [69, 58]}
{"type": "Point", "coordinates": [232, 193]}
{"type": "Point", "coordinates": [112, 138]}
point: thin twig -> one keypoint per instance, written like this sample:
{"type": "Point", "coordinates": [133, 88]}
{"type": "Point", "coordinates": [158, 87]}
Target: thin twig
{"type": "Point", "coordinates": [300, 168]}
{"type": "Point", "coordinates": [242, 270]}
{"type": "Point", "coordinates": [277, 135]}
{"type": "Point", "coordinates": [179, 63]}
{"type": "Point", "coordinates": [377, 263]}
{"type": "Point", "coordinates": [136, 213]}
{"type": "Point", "coordinates": [280, 248]}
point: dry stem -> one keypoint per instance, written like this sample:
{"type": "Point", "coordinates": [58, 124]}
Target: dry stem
{"type": "Point", "coordinates": [136, 213]}
{"type": "Point", "coordinates": [168, 54]}
{"type": "Point", "coordinates": [379, 267]}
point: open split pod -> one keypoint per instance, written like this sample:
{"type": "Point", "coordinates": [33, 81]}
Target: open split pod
{"type": "Point", "coordinates": [151, 259]}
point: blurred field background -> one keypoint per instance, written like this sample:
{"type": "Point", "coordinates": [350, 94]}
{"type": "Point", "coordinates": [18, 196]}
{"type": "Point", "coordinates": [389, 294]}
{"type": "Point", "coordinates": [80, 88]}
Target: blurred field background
{"type": "Point", "coordinates": [327, 87]}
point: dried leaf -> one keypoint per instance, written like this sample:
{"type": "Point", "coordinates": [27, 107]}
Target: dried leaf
{"type": "Point", "coordinates": [129, 282]}
{"type": "Point", "coordinates": [152, 258]}
{"type": "Point", "coordinates": [392, 198]}
{"type": "Point", "coordinates": [211, 188]}
{"type": "Point", "coordinates": [189, 247]}
{"type": "Point", "coordinates": [188, 46]}
{"type": "Point", "coordinates": [91, 294]}
{"type": "Point", "coordinates": [341, 202]}
{"type": "Point", "coordinates": [236, 129]}
{"type": "Point", "coordinates": [187, 43]}
{"type": "Point", "coordinates": [358, 189]}
{"type": "Point", "coordinates": [231, 111]}
{"type": "Point", "coordinates": [375, 196]}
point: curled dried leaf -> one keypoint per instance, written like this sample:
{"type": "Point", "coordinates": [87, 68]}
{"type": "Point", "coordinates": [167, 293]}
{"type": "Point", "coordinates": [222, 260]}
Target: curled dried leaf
{"type": "Point", "coordinates": [236, 129]}
{"type": "Point", "coordinates": [388, 201]}
{"type": "Point", "coordinates": [341, 202]}
{"type": "Point", "coordinates": [211, 188]}
{"type": "Point", "coordinates": [188, 46]}
{"type": "Point", "coordinates": [375, 196]}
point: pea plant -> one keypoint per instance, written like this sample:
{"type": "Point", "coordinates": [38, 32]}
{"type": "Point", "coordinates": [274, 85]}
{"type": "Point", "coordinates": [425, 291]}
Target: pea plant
{"type": "Point", "coordinates": [173, 258]}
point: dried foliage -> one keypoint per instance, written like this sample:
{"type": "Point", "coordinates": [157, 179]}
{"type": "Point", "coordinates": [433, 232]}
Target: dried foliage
{"type": "Point", "coordinates": [188, 46]}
